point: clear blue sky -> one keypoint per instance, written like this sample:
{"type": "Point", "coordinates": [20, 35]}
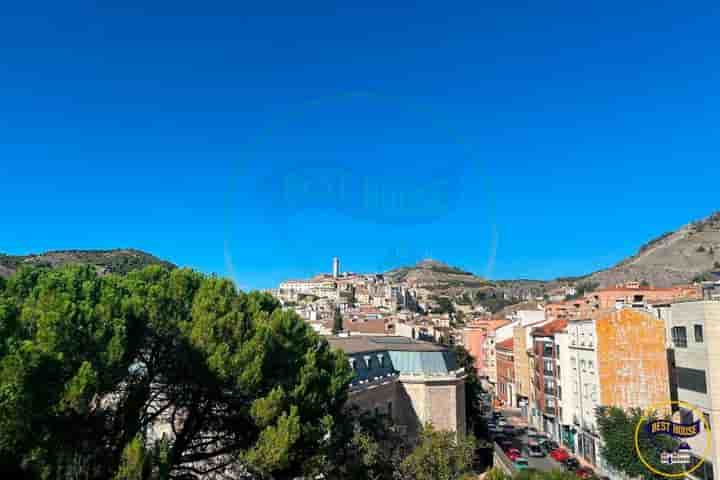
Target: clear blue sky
{"type": "Point", "coordinates": [259, 141]}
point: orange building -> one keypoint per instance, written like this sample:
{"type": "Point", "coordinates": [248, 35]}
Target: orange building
{"type": "Point", "coordinates": [630, 294]}
{"type": "Point", "coordinates": [632, 359]}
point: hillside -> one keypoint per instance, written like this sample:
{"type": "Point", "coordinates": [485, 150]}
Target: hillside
{"type": "Point", "coordinates": [681, 256]}
{"type": "Point", "coordinates": [436, 279]}
{"type": "Point", "coordinates": [675, 257]}
{"type": "Point", "coordinates": [433, 274]}
{"type": "Point", "coordinates": [119, 261]}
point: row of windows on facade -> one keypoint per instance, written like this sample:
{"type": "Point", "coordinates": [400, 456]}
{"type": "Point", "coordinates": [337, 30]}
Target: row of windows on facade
{"type": "Point", "coordinates": [679, 335]}
{"type": "Point", "coordinates": [369, 363]}
{"type": "Point", "coordinates": [583, 340]}
{"type": "Point", "coordinates": [585, 366]}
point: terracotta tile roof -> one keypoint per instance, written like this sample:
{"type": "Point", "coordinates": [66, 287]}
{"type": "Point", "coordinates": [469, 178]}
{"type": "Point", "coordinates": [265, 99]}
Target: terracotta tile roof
{"type": "Point", "coordinates": [550, 328]}
{"type": "Point", "coordinates": [505, 345]}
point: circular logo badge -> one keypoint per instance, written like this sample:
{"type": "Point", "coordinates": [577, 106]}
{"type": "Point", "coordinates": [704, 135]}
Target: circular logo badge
{"type": "Point", "coordinates": [680, 456]}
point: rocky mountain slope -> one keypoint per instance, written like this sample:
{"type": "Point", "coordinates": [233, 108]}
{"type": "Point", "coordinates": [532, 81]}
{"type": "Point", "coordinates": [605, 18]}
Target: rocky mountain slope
{"type": "Point", "coordinates": [107, 261]}
{"type": "Point", "coordinates": [681, 256]}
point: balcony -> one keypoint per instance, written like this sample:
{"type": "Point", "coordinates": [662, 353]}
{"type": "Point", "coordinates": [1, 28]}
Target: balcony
{"type": "Point", "coordinates": [550, 391]}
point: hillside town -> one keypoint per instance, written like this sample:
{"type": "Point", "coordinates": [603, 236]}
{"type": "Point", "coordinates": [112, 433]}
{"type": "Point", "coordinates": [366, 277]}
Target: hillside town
{"type": "Point", "coordinates": [549, 361]}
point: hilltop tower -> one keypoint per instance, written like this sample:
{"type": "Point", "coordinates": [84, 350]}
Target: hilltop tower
{"type": "Point", "coordinates": [336, 267]}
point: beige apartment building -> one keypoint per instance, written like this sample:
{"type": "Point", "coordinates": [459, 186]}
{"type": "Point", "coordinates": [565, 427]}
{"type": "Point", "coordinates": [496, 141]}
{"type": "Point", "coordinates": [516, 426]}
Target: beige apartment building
{"type": "Point", "coordinates": [693, 335]}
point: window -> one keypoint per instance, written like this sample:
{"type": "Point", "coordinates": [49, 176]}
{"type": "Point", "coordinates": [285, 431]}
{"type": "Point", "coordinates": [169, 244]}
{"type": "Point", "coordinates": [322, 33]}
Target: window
{"type": "Point", "coordinates": [548, 364]}
{"type": "Point", "coordinates": [590, 365]}
{"type": "Point", "coordinates": [698, 333]}
{"type": "Point", "coordinates": [381, 360]}
{"type": "Point", "coordinates": [691, 379]}
{"type": "Point", "coordinates": [679, 337]}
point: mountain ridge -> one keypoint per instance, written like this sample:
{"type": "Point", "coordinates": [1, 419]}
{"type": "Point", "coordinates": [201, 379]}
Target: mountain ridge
{"type": "Point", "coordinates": [118, 260]}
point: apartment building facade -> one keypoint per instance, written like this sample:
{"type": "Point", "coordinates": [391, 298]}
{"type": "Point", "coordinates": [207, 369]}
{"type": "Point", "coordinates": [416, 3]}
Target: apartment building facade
{"type": "Point", "coordinates": [506, 373]}
{"type": "Point", "coordinates": [545, 411]}
{"type": "Point", "coordinates": [693, 336]}
{"type": "Point", "coordinates": [617, 358]}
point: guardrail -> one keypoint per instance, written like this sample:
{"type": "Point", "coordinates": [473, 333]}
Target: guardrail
{"type": "Point", "coordinates": [501, 461]}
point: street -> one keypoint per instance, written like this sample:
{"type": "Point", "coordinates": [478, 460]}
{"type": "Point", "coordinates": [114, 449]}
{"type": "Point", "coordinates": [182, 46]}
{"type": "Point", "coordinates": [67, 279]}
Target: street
{"type": "Point", "coordinates": [544, 464]}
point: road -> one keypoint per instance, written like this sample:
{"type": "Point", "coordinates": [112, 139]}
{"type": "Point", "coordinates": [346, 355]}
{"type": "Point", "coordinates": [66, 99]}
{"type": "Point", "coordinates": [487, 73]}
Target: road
{"type": "Point", "coordinates": [544, 464]}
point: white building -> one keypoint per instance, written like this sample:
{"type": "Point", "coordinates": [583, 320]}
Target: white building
{"type": "Point", "coordinates": [584, 394]}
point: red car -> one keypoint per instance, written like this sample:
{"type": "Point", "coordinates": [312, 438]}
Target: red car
{"type": "Point", "coordinates": [584, 473]}
{"type": "Point", "coordinates": [513, 454]}
{"type": "Point", "coordinates": [560, 454]}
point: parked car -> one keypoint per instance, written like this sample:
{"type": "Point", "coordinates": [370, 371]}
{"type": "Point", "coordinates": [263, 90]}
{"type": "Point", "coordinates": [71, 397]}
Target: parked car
{"type": "Point", "coordinates": [513, 454]}
{"type": "Point", "coordinates": [509, 430]}
{"type": "Point", "coordinates": [571, 464]}
{"type": "Point", "coordinates": [549, 445]}
{"type": "Point", "coordinates": [560, 454]}
{"type": "Point", "coordinates": [584, 473]}
{"type": "Point", "coordinates": [506, 445]}
{"type": "Point", "coordinates": [534, 450]}
{"type": "Point", "coordinates": [521, 463]}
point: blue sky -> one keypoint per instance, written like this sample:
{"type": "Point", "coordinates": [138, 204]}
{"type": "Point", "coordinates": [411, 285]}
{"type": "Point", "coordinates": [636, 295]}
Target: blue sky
{"type": "Point", "coordinates": [259, 141]}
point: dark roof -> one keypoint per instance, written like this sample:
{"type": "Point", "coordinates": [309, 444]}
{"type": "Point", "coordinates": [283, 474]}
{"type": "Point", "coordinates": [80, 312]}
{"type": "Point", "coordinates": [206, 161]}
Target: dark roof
{"type": "Point", "coordinates": [368, 343]}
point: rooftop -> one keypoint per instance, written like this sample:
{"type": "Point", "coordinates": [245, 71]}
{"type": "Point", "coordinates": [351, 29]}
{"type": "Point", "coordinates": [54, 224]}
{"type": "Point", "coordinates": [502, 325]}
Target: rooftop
{"type": "Point", "coordinates": [505, 345]}
{"type": "Point", "coordinates": [365, 343]}
{"type": "Point", "coordinates": [550, 328]}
